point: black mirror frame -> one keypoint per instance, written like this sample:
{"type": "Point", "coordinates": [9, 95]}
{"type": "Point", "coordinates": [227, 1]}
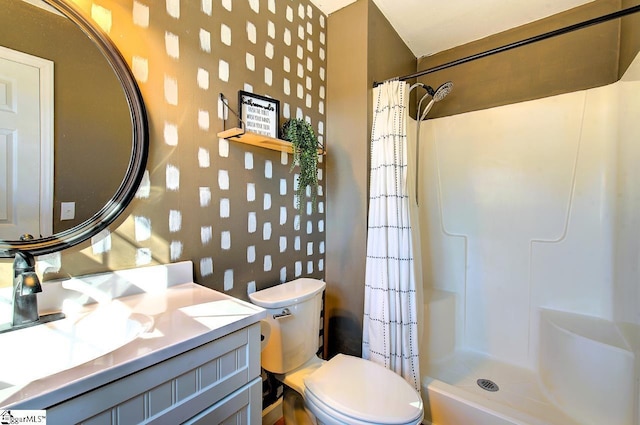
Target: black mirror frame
{"type": "Point", "coordinates": [139, 150]}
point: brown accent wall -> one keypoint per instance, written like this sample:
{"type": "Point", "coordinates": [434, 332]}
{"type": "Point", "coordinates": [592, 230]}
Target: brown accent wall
{"type": "Point", "coordinates": [363, 47]}
{"type": "Point", "coordinates": [228, 207]}
{"type": "Point", "coordinates": [629, 37]}
{"type": "Point", "coordinates": [582, 59]}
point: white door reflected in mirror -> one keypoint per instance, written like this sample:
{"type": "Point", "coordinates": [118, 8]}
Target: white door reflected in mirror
{"type": "Point", "coordinates": [26, 145]}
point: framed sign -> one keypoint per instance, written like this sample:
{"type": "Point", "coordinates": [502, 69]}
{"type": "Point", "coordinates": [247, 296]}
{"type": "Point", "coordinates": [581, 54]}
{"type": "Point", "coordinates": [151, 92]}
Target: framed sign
{"type": "Point", "coordinates": [260, 114]}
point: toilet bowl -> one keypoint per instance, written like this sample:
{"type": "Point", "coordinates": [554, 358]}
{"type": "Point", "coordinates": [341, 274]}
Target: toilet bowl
{"type": "Point", "coordinates": [342, 390]}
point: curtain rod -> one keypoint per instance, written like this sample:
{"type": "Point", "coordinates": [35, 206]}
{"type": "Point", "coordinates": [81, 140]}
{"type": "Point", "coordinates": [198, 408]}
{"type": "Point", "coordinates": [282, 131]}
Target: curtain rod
{"type": "Point", "coordinates": [544, 36]}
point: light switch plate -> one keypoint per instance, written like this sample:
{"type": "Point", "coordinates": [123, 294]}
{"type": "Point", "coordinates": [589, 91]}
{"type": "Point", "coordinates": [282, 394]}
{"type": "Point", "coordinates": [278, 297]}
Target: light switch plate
{"type": "Point", "coordinates": [67, 210]}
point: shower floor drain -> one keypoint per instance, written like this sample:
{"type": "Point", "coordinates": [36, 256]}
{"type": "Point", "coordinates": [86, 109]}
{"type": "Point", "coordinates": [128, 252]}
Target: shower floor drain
{"type": "Point", "coordinates": [488, 385]}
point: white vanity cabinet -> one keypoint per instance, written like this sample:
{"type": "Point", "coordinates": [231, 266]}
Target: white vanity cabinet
{"type": "Point", "coordinates": [215, 383]}
{"type": "Point", "coordinates": [194, 360]}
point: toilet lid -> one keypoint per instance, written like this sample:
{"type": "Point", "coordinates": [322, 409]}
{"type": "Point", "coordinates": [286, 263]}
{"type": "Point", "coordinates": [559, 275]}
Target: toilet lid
{"type": "Point", "coordinates": [365, 391]}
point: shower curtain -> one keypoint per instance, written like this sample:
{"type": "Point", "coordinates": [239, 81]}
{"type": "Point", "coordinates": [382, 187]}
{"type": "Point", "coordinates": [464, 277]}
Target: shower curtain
{"type": "Point", "coordinates": [390, 325]}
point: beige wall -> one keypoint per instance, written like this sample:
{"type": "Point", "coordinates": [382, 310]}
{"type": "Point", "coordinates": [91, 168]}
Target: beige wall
{"type": "Point", "coordinates": [578, 60]}
{"type": "Point", "coordinates": [363, 47]}
{"type": "Point", "coordinates": [629, 37]}
{"type": "Point", "coordinates": [227, 207]}
{"type": "Point", "coordinates": [347, 176]}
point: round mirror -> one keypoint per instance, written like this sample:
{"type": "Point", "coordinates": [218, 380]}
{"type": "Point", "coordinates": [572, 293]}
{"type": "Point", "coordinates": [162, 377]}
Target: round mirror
{"type": "Point", "coordinates": [73, 128]}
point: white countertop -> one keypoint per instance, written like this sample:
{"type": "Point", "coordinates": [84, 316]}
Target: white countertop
{"type": "Point", "coordinates": [185, 316]}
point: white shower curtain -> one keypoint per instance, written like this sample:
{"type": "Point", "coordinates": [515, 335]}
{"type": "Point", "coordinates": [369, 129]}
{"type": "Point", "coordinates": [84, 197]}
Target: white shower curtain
{"type": "Point", "coordinates": [390, 326]}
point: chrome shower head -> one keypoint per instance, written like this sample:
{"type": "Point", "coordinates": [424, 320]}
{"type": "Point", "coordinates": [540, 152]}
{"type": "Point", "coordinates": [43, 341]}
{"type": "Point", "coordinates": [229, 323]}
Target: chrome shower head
{"type": "Point", "coordinates": [441, 91]}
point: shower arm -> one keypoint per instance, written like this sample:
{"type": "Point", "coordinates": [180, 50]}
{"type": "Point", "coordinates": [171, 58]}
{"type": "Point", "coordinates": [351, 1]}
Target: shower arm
{"type": "Point", "coordinates": [417, 152]}
{"type": "Point", "coordinates": [419, 118]}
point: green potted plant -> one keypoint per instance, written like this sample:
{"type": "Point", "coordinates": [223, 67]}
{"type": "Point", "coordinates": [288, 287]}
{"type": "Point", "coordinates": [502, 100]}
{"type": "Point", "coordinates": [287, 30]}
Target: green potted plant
{"type": "Point", "coordinates": [305, 154]}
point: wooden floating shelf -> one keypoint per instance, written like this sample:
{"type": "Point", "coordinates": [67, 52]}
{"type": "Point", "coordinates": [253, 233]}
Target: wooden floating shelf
{"type": "Point", "coordinates": [238, 135]}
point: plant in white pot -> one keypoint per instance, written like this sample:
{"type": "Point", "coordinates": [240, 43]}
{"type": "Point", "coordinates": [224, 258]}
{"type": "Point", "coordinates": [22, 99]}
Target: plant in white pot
{"type": "Point", "coordinates": [305, 155]}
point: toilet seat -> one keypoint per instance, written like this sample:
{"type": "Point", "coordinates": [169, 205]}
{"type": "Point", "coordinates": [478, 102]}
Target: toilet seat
{"type": "Point", "coordinates": [357, 391]}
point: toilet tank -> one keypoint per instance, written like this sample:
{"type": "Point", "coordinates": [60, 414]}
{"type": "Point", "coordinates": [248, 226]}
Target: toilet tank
{"type": "Point", "coordinates": [291, 329]}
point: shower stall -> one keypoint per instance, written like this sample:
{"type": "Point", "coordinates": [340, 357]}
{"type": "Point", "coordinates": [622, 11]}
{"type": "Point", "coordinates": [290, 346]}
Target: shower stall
{"type": "Point", "coordinates": [529, 219]}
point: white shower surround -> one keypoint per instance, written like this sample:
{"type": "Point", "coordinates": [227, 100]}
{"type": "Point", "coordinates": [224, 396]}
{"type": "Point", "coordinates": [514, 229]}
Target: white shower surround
{"type": "Point", "coordinates": [535, 206]}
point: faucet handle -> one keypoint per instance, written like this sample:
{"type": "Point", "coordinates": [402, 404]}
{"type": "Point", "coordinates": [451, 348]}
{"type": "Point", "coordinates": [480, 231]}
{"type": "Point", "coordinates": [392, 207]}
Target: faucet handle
{"type": "Point", "coordinates": [28, 283]}
{"type": "Point", "coordinates": [25, 279]}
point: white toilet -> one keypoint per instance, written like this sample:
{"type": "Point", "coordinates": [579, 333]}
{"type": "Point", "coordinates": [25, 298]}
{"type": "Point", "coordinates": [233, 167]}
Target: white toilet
{"type": "Point", "coordinates": [343, 390]}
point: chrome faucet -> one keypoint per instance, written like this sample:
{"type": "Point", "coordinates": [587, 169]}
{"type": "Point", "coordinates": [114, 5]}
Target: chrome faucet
{"type": "Point", "coordinates": [25, 287]}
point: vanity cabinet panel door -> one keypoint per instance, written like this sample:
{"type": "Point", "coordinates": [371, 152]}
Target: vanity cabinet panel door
{"type": "Point", "coordinates": [103, 418]}
{"type": "Point", "coordinates": [160, 398]}
{"type": "Point", "coordinates": [244, 406]}
{"type": "Point", "coordinates": [132, 411]}
{"type": "Point", "coordinates": [171, 392]}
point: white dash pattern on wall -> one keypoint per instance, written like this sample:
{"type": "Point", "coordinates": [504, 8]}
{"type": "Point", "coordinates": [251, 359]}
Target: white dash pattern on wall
{"type": "Point", "coordinates": [225, 34]}
{"type": "Point", "coordinates": [206, 234]}
{"type": "Point", "coordinates": [250, 61]}
{"type": "Point", "coordinates": [170, 134]}
{"type": "Point", "coordinates": [175, 250]}
{"type": "Point", "coordinates": [202, 77]}
{"type": "Point", "coordinates": [100, 244]}
{"type": "Point", "coordinates": [170, 90]}
{"type": "Point", "coordinates": [143, 256]}
{"type": "Point", "coordinates": [172, 45]}
{"type": "Point", "coordinates": [144, 189]}
{"type": "Point", "coordinates": [102, 17]}
{"type": "Point", "coordinates": [266, 231]}
{"type": "Point", "coordinates": [203, 158]}
{"type": "Point", "coordinates": [223, 70]}
{"type": "Point", "coordinates": [284, 58]}
{"type": "Point", "coordinates": [175, 221]}
{"type": "Point", "coordinates": [252, 222]}
{"type": "Point", "coordinates": [251, 192]}
{"type": "Point", "coordinates": [207, 7]}
{"type": "Point", "coordinates": [205, 40]}
{"type": "Point", "coordinates": [248, 161]}
{"type": "Point", "coordinates": [206, 266]}
{"type": "Point", "coordinates": [228, 280]}
{"type": "Point", "coordinates": [173, 8]}
{"type": "Point", "coordinates": [205, 196]}
{"type": "Point", "coordinates": [203, 120]}
{"type": "Point", "coordinates": [140, 68]}
{"type": "Point", "coordinates": [223, 148]}
{"type": "Point", "coordinates": [271, 29]}
{"type": "Point", "coordinates": [267, 263]}
{"type": "Point", "coordinates": [172, 175]}
{"type": "Point", "coordinates": [225, 208]}
{"type": "Point", "coordinates": [140, 14]}
{"type": "Point", "coordinates": [251, 32]}
{"type": "Point", "coordinates": [223, 180]}
{"type": "Point", "coordinates": [225, 240]}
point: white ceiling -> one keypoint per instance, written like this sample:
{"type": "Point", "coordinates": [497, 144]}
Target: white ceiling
{"type": "Point", "coordinates": [431, 26]}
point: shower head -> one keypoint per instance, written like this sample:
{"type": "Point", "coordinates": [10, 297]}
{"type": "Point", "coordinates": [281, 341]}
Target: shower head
{"type": "Point", "coordinates": [416, 85]}
{"type": "Point", "coordinates": [436, 96]}
{"type": "Point", "coordinates": [441, 92]}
